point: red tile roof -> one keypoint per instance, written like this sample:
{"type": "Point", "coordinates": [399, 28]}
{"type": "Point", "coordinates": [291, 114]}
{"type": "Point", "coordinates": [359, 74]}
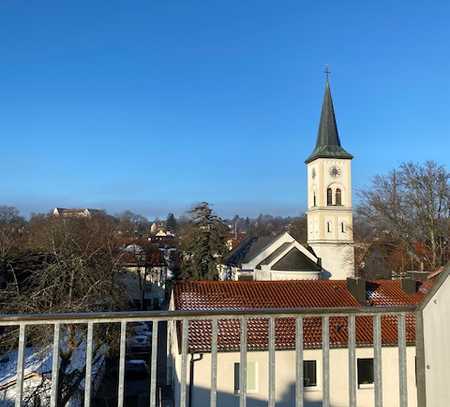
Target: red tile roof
{"type": "Point", "coordinates": [149, 259]}
{"type": "Point", "coordinates": [249, 295]}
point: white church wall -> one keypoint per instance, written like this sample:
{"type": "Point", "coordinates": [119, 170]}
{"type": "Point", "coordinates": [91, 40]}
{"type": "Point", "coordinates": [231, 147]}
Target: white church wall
{"type": "Point", "coordinates": [338, 259]}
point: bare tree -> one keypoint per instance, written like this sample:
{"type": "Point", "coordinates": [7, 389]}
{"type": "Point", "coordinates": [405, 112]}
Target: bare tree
{"type": "Point", "coordinates": [11, 228]}
{"type": "Point", "coordinates": [411, 205]}
{"type": "Point", "coordinates": [77, 274]}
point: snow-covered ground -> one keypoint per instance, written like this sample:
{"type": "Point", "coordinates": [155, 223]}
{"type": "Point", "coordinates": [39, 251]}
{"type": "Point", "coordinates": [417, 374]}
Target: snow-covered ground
{"type": "Point", "coordinates": [37, 368]}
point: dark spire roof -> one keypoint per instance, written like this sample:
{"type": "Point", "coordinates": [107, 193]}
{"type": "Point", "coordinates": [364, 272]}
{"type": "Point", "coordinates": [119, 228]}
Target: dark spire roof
{"type": "Point", "coordinates": [328, 144]}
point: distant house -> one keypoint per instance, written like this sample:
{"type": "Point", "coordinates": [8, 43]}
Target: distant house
{"type": "Point", "coordinates": [286, 295]}
{"type": "Point", "coordinates": [272, 258]}
{"type": "Point", "coordinates": [234, 240]}
{"type": "Point", "coordinates": [148, 273]}
{"type": "Point", "coordinates": [76, 212]}
{"type": "Point", "coordinates": [163, 233]}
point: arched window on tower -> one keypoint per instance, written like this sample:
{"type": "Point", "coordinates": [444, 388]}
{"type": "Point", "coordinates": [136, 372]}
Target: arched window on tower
{"type": "Point", "coordinates": [338, 197]}
{"type": "Point", "coordinates": [329, 197]}
{"type": "Point", "coordinates": [315, 201]}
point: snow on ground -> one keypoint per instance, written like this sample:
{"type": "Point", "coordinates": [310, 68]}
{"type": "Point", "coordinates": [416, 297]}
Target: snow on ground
{"type": "Point", "coordinates": [38, 363]}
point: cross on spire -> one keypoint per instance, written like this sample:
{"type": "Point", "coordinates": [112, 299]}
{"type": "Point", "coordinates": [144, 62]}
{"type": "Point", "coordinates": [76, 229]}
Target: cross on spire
{"type": "Point", "coordinates": [327, 72]}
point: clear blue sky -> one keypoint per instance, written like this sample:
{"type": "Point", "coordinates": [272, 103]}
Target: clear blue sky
{"type": "Point", "coordinates": [154, 105]}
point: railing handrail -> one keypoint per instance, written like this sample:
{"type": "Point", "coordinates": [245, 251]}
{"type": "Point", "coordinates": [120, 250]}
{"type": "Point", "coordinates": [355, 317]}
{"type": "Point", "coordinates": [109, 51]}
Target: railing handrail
{"type": "Point", "coordinates": [229, 313]}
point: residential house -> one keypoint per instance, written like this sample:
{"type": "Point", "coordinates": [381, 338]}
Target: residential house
{"type": "Point", "coordinates": [290, 295]}
{"type": "Point", "coordinates": [76, 212]}
{"type": "Point", "coordinates": [145, 274]}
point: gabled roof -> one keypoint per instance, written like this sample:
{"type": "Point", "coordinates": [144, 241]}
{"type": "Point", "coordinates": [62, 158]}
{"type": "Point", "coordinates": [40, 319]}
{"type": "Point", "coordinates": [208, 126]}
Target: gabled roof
{"type": "Point", "coordinates": [275, 254]}
{"type": "Point", "coordinates": [328, 144]}
{"type": "Point", "coordinates": [289, 294]}
{"type": "Point", "coordinates": [248, 249]}
{"type": "Point", "coordinates": [295, 260]}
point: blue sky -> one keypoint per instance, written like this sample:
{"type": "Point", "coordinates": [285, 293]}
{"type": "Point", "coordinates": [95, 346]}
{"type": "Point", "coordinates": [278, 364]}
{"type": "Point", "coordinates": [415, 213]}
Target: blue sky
{"type": "Point", "coordinates": [155, 105]}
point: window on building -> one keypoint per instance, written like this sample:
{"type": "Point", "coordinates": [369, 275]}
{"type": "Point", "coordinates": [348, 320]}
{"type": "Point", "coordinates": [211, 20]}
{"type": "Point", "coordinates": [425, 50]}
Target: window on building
{"type": "Point", "coordinates": [315, 203]}
{"type": "Point", "coordinates": [365, 372]}
{"type": "Point", "coordinates": [342, 227]}
{"type": "Point", "coordinates": [338, 197]}
{"type": "Point", "coordinates": [329, 197]}
{"type": "Point", "coordinates": [251, 377]}
{"type": "Point", "coordinates": [328, 227]}
{"type": "Point", "coordinates": [309, 373]}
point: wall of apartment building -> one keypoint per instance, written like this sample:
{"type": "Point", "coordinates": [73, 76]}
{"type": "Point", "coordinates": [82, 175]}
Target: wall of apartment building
{"type": "Point", "coordinates": [436, 317]}
{"type": "Point", "coordinates": [285, 379]}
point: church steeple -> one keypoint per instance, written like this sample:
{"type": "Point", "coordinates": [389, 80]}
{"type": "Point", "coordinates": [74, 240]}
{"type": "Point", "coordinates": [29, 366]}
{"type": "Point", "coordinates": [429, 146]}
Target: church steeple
{"type": "Point", "coordinates": [328, 144]}
{"type": "Point", "coordinates": [329, 174]}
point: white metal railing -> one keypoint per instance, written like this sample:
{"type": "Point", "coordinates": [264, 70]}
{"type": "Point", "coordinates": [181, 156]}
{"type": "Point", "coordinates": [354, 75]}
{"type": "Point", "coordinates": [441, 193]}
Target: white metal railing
{"type": "Point", "coordinates": [184, 317]}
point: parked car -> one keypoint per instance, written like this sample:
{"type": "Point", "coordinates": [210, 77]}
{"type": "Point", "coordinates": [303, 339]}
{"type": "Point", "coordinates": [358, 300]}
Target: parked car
{"type": "Point", "coordinates": [139, 344]}
{"type": "Point", "coordinates": [136, 369]}
{"type": "Point", "coordinates": [143, 328]}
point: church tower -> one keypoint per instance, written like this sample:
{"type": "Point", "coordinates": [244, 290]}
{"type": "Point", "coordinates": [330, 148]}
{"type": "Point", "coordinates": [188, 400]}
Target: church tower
{"type": "Point", "coordinates": [330, 220]}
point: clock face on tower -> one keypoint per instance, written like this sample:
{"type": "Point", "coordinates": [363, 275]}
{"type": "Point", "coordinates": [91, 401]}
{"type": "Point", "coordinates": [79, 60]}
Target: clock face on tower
{"type": "Point", "coordinates": [335, 171]}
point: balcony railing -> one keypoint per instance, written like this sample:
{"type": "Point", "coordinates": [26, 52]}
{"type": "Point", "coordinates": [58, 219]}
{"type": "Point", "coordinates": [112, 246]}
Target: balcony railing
{"type": "Point", "coordinates": [57, 321]}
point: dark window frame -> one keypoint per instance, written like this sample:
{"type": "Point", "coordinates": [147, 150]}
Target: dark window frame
{"type": "Point", "coordinates": [309, 373]}
{"type": "Point", "coordinates": [365, 372]}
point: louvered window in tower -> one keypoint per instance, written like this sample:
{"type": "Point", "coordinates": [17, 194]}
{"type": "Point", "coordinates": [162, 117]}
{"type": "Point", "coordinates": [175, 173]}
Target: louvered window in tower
{"type": "Point", "coordinates": [329, 197]}
{"type": "Point", "coordinates": [338, 197]}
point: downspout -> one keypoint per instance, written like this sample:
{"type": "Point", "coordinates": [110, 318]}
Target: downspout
{"type": "Point", "coordinates": [191, 375]}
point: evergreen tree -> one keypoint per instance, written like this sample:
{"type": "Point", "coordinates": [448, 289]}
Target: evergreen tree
{"type": "Point", "coordinates": [204, 244]}
{"type": "Point", "coordinates": [171, 222]}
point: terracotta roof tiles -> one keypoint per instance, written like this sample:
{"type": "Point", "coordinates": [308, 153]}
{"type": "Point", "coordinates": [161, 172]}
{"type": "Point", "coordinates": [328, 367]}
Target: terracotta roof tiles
{"type": "Point", "coordinates": [250, 295]}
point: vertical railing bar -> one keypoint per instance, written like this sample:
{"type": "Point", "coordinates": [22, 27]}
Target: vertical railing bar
{"type": "Point", "coordinates": [243, 364]}
{"type": "Point", "coordinates": [402, 364]}
{"type": "Point", "coordinates": [420, 360]}
{"type": "Point", "coordinates": [154, 364]}
{"type": "Point", "coordinates": [88, 376]}
{"type": "Point", "coordinates": [299, 362]}
{"type": "Point", "coordinates": [20, 365]}
{"type": "Point", "coordinates": [326, 361]}
{"type": "Point", "coordinates": [377, 361]}
{"type": "Point", "coordinates": [123, 349]}
{"type": "Point", "coordinates": [184, 357]}
{"type": "Point", "coordinates": [55, 365]}
{"type": "Point", "coordinates": [214, 334]}
{"type": "Point", "coordinates": [271, 362]}
{"type": "Point", "coordinates": [352, 361]}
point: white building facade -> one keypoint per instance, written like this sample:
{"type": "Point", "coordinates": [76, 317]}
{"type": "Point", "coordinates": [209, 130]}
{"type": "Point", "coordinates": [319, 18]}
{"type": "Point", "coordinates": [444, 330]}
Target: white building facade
{"type": "Point", "coordinates": [258, 378]}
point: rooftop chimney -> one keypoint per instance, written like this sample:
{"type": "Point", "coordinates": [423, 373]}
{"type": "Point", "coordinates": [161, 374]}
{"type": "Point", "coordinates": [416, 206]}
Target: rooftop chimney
{"type": "Point", "coordinates": [408, 285]}
{"type": "Point", "coordinates": [357, 288]}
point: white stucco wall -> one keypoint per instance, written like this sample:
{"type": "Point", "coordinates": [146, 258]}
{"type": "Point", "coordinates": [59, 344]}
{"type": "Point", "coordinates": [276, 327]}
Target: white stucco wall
{"type": "Point", "coordinates": [337, 259]}
{"type": "Point", "coordinates": [285, 379]}
{"type": "Point", "coordinates": [436, 320]}
{"type": "Point", "coordinates": [287, 275]}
